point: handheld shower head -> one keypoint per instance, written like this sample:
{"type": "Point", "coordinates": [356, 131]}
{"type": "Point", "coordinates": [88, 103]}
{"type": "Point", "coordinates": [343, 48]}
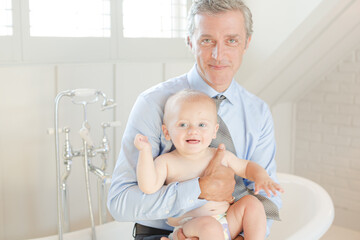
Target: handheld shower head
{"type": "Point", "coordinates": [85, 96]}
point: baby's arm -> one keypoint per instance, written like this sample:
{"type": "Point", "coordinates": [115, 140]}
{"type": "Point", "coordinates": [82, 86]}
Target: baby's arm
{"type": "Point", "coordinates": [151, 174]}
{"type": "Point", "coordinates": [254, 172]}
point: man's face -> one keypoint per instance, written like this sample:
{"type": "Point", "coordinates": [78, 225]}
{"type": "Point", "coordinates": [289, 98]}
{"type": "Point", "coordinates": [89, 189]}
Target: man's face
{"type": "Point", "coordinates": [219, 43]}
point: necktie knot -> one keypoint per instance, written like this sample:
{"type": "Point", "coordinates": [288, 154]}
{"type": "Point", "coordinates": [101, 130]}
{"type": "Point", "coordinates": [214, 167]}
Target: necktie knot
{"type": "Point", "coordinates": [221, 97]}
{"type": "Point", "coordinates": [218, 99]}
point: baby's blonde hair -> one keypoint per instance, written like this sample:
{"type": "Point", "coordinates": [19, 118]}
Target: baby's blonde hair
{"type": "Point", "coordinates": [186, 95]}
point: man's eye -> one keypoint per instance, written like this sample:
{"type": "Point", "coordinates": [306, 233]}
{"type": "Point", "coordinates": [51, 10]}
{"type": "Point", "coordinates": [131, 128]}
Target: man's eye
{"type": "Point", "coordinates": [233, 41]}
{"type": "Point", "coordinates": [206, 41]}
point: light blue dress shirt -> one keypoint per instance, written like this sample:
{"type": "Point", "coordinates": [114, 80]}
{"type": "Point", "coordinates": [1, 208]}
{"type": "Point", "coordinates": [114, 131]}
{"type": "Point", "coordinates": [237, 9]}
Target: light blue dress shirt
{"type": "Point", "coordinates": [248, 119]}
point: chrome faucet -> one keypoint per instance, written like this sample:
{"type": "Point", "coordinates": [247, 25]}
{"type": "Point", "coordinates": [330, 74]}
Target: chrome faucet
{"type": "Point", "coordinates": [88, 151]}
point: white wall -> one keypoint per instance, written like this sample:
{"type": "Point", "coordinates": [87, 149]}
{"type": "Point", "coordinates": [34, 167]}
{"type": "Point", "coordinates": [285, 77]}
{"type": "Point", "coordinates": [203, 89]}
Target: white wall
{"type": "Point", "coordinates": [27, 192]}
{"type": "Point", "coordinates": [283, 115]}
{"type": "Point", "coordinates": [327, 139]}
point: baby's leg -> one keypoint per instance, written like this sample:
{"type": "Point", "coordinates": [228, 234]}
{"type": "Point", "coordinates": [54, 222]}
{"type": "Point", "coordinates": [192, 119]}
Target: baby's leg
{"type": "Point", "coordinates": [247, 215]}
{"type": "Point", "coordinates": [205, 228]}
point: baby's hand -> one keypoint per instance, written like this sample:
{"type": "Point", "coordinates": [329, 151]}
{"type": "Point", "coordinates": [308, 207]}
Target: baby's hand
{"type": "Point", "coordinates": [268, 185]}
{"type": "Point", "coordinates": [141, 142]}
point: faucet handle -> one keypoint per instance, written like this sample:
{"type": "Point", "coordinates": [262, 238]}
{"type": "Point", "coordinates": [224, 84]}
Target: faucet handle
{"type": "Point", "coordinates": [111, 124]}
{"type": "Point", "coordinates": [51, 131]}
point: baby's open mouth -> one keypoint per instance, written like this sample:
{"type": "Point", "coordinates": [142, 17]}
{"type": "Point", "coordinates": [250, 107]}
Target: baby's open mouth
{"type": "Point", "coordinates": [192, 141]}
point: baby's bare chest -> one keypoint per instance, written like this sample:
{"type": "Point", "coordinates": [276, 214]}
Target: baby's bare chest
{"type": "Point", "coordinates": [182, 171]}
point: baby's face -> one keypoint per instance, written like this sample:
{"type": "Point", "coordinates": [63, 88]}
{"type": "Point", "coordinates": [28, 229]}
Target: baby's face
{"type": "Point", "coordinates": [192, 125]}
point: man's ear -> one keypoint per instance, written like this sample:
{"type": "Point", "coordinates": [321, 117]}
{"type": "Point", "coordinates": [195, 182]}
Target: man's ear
{"type": "Point", "coordinates": [216, 129]}
{"type": "Point", "coordinates": [247, 43]}
{"type": "Point", "coordinates": [189, 43]}
{"type": "Point", "coordinates": [166, 132]}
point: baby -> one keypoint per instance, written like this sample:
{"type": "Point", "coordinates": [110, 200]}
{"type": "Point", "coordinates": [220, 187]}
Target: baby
{"type": "Point", "coordinates": [190, 122]}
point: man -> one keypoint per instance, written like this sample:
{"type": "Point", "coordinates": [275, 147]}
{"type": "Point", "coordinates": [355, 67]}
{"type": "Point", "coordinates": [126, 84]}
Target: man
{"type": "Point", "coordinates": [219, 35]}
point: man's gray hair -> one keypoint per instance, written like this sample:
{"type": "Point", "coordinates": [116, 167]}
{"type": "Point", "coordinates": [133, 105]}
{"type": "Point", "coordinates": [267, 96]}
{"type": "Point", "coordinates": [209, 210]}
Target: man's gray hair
{"type": "Point", "coordinates": [219, 6]}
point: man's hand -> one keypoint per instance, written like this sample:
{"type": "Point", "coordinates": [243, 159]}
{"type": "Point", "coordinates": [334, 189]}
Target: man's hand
{"type": "Point", "coordinates": [217, 183]}
{"type": "Point", "coordinates": [180, 236]}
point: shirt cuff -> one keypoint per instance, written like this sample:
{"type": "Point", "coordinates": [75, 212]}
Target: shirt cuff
{"type": "Point", "coordinates": [188, 194]}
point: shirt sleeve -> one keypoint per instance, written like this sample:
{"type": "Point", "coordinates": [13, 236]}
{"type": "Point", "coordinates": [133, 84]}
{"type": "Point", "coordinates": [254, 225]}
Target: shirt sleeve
{"type": "Point", "coordinates": [264, 154]}
{"type": "Point", "coordinates": [126, 202]}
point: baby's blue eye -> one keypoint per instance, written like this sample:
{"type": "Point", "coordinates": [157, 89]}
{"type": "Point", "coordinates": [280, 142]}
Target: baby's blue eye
{"type": "Point", "coordinates": [183, 125]}
{"type": "Point", "coordinates": [202, 125]}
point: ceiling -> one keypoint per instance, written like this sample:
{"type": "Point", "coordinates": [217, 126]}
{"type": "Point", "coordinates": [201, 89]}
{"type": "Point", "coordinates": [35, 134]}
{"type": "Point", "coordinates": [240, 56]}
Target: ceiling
{"type": "Point", "coordinates": [292, 49]}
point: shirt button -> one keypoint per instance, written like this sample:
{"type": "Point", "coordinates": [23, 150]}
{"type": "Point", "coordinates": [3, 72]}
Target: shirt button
{"type": "Point", "coordinates": [191, 201]}
{"type": "Point", "coordinates": [167, 211]}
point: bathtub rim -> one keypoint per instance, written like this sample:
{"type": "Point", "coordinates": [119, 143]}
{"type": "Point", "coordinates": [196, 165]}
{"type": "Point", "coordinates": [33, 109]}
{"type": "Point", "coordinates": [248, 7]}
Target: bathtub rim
{"type": "Point", "coordinates": [325, 214]}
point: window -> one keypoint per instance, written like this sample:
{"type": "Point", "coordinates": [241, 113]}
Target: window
{"type": "Point", "coordinates": [92, 30]}
{"type": "Point", "coordinates": [69, 18]}
{"type": "Point", "coordinates": [6, 28]}
{"type": "Point", "coordinates": [154, 19]}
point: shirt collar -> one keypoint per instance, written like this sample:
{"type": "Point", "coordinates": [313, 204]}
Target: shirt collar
{"type": "Point", "coordinates": [197, 83]}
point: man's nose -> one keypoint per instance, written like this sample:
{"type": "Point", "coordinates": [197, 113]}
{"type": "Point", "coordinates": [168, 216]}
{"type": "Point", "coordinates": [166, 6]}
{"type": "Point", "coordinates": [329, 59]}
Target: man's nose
{"type": "Point", "coordinates": [217, 51]}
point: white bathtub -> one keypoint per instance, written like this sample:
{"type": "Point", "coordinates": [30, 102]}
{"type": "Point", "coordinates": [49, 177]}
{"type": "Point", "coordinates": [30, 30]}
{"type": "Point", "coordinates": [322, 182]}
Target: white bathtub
{"type": "Point", "coordinates": [307, 213]}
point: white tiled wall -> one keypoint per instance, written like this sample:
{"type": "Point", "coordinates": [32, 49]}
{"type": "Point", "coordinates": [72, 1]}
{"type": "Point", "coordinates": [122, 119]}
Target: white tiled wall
{"type": "Point", "coordinates": [327, 142]}
{"type": "Point", "coordinates": [27, 166]}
